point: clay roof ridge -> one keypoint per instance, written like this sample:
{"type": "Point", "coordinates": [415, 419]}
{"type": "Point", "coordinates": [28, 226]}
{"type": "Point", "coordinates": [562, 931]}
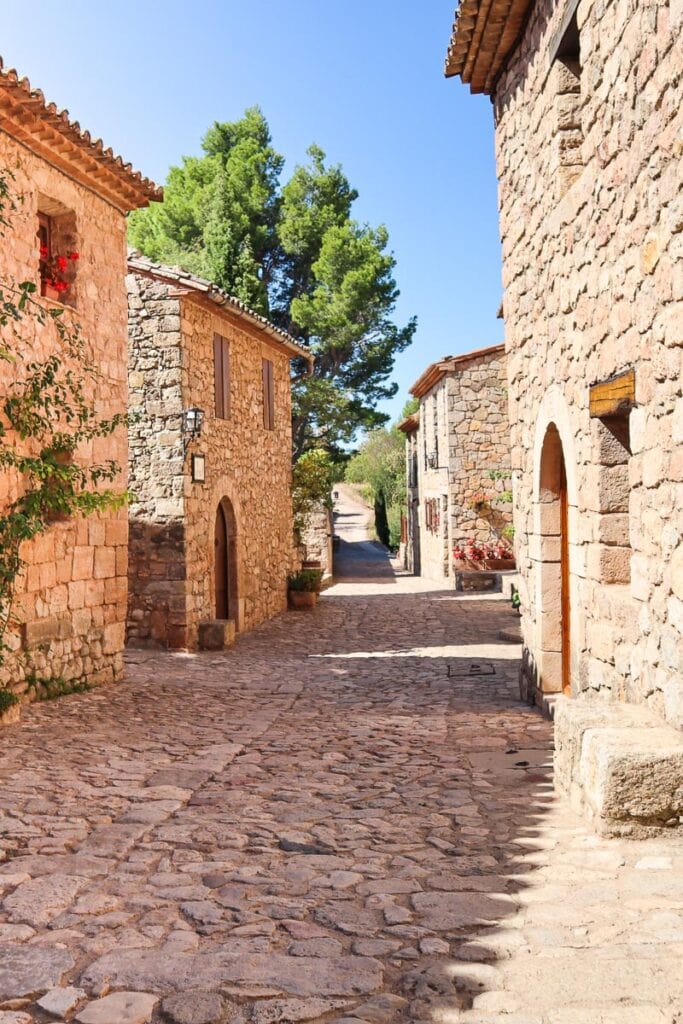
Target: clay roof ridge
{"type": "Point", "coordinates": [144, 265]}
{"type": "Point", "coordinates": [435, 371]}
{"type": "Point", "coordinates": [61, 122]}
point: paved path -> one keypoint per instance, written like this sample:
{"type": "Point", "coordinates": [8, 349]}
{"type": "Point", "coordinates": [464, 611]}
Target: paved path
{"type": "Point", "coordinates": [348, 817]}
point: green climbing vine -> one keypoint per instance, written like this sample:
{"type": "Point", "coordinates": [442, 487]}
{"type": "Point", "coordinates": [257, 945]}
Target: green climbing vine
{"type": "Point", "coordinates": [46, 415]}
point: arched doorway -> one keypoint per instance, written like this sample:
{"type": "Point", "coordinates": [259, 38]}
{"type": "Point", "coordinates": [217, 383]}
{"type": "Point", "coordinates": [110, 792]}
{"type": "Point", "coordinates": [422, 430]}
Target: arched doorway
{"type": "Point", "coordinates": [555, 578]}
{"type": "Point", "coordinates": [225, 562]}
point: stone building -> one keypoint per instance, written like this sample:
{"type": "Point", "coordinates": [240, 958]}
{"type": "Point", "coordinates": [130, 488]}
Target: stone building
{"type": "Point", "coordinates": [211, 534]}
{"type": "Point", "coordinates": [588, 110]}
{"type": "Point", "coordinates": [454, 445]}
{"type": "Point", "coordinates": [409, 550]}
{"type": "Point", "coordinates": [71, 195]}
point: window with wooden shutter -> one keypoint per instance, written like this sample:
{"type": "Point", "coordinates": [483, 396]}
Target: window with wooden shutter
{"type": "Point", "coordinates": [221, 375]}
{"type": "Point", "coordinates": [268, 395]}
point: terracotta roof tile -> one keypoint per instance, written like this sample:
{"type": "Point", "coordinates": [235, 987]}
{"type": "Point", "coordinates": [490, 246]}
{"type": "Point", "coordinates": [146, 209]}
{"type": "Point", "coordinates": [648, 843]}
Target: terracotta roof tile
{"type": "Point", "coordinates": [26, 115]}
{"type": "Point", "coordinates": [484, 34]}
{"type": "Point", "coordinates": [449, 364]}
{"type": "Point", "coordinates": [410, 424]}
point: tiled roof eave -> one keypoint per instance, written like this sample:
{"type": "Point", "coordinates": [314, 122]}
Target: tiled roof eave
{"type": "Point", "coordinates": [410, 424]}
{"type": "Point", "coordinates": [26, 116]}
{"type": "Point", "coordinates": [484, 34]}
{"type": "Point", "coordinates": [449, 364]}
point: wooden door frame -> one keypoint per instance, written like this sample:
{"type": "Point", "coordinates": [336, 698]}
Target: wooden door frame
{"type": "Point", "coordinates": [226, 511]}
{"type": "Point", "coordinates": [554, 611]}
{"type": "Point", "coordinates": [565, 599]}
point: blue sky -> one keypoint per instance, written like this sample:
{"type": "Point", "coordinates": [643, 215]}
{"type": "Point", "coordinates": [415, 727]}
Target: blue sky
{"type": "Point", "coordinates": [363, 79]}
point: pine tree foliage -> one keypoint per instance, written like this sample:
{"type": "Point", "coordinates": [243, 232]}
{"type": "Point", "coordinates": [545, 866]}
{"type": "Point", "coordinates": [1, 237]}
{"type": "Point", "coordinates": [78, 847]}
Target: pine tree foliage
{"type": "Point", "coordinates": [295, 254]}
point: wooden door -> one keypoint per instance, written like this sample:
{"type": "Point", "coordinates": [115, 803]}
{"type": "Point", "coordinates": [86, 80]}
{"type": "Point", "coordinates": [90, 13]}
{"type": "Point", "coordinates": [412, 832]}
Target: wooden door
{"type": "Point", "coordinates": [221, 565]}
{"type": "Point", "coordinates": [564, 576]}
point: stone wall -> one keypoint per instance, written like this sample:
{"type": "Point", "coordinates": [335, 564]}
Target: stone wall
{"type": "Point", "coordinates": [462, 437]}
{"type": "Point", "coordinates": [479, 443]}
{"type": "Point", "coordinates": [71, 600]}
{"type": "Point", "coordinates": [317, 540]}
{"type": "Point", "coordinates": [158, 579]}
{"type": "Point", "coordinates": [248, 467]}
{"type": "Point", "coordinates": [245, 463]}
{"type": "Point", "coordinates": [593, 276]}
{"type": "Point", "coordinates": [410, 549]}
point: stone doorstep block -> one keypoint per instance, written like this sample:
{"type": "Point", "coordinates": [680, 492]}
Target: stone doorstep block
{"type": "Point", "coordinates": [633, 778]}
{"type": "Point", "coordinates": [216, 634]}
{"type": "Point", "coordinates": [619, 765]}
{"type": "Point", "coordinates": [477, 581]}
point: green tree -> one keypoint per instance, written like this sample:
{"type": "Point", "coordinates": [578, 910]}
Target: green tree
{"type": "Point", "coordinates": [295, 254]}
{"type": "Point", "coordinates": [312, 479]}
{"type": "Point", "coordinates": [315, 199]}
{"type": "Point", "coordinates": [379, 465]}
{"type": "Point", "coordinates": [220, 212]}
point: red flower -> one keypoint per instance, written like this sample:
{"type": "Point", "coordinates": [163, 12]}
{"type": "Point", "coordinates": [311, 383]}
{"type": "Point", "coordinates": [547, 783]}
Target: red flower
{"type": "Point", "coordinates": [61, 262]}
{"type": "Point", "coordinates": [74, 256]}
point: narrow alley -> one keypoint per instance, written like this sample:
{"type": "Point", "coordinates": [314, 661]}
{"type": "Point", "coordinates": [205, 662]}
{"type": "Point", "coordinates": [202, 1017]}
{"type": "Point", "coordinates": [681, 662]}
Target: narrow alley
{"type": "Point", "coordinates": [347, 817]}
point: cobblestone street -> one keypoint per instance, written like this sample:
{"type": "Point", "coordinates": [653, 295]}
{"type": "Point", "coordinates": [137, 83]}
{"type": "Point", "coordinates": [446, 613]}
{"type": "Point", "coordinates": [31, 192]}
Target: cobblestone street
{"type": "Point", "coordinates": [347, 817]}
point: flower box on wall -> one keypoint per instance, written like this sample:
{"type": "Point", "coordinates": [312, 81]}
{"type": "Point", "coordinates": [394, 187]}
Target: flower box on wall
{"type": "Point", "coordinates": [483, 556]}
{"type": "Point", "coordinates": [500, 564]}
{"type": "Point", "coordinates": [483, 565]}
{"type": "Point", "coordinates": [49, 292]}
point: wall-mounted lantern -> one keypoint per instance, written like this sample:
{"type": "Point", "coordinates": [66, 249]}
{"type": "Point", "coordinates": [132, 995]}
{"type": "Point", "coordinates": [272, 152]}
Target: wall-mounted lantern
{"type": "Point", "coordinates": [191, 425]}
{"type": "Point", "coordinates": [433, 460]}
{"type": "Point", "coordinates": [193, 421]}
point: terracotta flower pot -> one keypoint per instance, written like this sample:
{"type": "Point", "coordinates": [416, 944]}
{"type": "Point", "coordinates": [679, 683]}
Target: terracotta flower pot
{"type": "Point", "coordinates": [49, 292]}
{"type": "Point", "coordinates": [500, 564]}
{"type": "Point", "coordinates": [300, 599]}
{"type": "Point", "coordinates": [467, 565]}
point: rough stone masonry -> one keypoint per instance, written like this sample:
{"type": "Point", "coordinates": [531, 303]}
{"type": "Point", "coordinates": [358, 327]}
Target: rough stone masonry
{"type": "Point", "coordinates": [588, 107]}
{"type": "Point", "coordinates": [70, 606]}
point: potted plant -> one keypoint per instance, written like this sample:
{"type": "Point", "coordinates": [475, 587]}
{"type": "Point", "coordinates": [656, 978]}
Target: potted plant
{"type": "Point", "coordinates": [53, 269]}
{"type": "Point", "coordinates": [303, 588]}
{"type": "Point", "coordinates": [479, 501]}
{"type": "Point", "coordinates": [500, 556]}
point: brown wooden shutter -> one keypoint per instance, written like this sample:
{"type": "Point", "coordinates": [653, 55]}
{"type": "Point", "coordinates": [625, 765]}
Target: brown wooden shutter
{"type": "Point", "coordinates": [218, 372]}
{"type": "Point", "coordinates": [268, 395]}
{"type": "Point", "coordinates": [221, 375]}
{"type": "Point", "coordinates": [226, 377]}
{"type": "Point", "coordinates": [271, 395]}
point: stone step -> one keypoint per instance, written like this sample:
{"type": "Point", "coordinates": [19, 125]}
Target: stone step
{"type": "Point", "coordinates": [216, 634]}
{"type": "Point", "coordinates": [620, 765]}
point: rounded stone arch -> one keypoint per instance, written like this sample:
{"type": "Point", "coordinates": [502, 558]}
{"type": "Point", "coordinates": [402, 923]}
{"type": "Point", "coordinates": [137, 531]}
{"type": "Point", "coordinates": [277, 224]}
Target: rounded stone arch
{"type": "Point", "coordinates": [555, 503]}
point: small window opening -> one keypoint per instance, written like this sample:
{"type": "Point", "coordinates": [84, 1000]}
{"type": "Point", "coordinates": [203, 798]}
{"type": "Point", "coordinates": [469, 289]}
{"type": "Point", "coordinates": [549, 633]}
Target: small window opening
{"type": "Point", "coordinates": [268, 396]}
{"type": "Point", "coordinates": [58, 253]}
{"type": "Point", "coordinates": [565, 56]}
{"type": "Point", "coordinates": [221, 376]}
